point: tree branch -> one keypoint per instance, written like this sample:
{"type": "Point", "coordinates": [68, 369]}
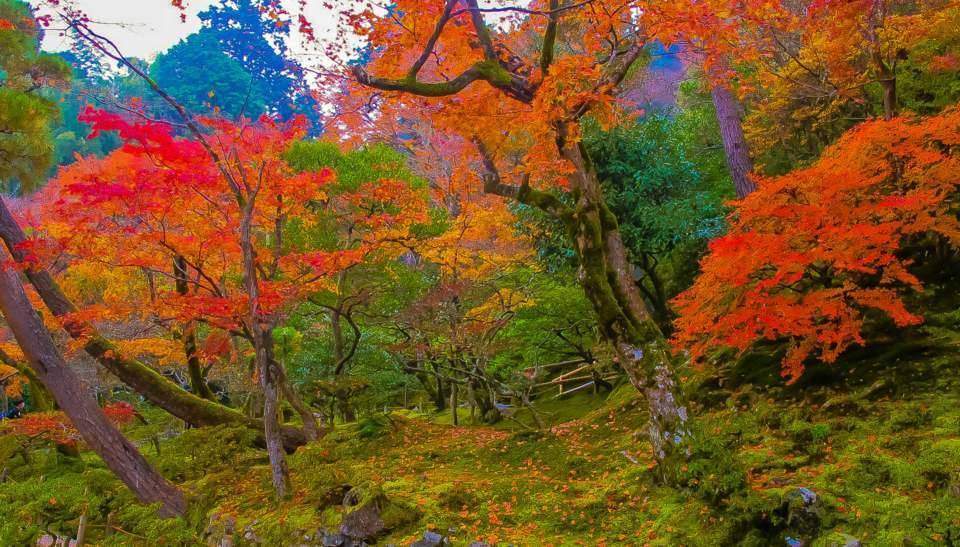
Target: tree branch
{"type": "Point", "coordinates": [492, 184]}
{"type": "Point", "coordinates": [432, 41]}
{"type": "Point", "coordinates": [98, 41]}
{"type": "Point", "coordinates": [482, 30]}
{"type": "Point", "coordinates": [488, 71]}
{"type": "Point", "coordinates": [550, 37]}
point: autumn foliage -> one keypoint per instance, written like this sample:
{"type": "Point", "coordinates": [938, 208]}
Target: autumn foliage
{"type": "Point", "coordinates": [55, 427]}
{"type": "Point", "coordinates": [810, 252]}
{"type": "Point", "coordinates": [159, 197]}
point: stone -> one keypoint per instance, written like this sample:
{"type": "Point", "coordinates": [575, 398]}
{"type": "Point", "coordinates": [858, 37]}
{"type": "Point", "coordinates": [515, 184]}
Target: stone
{"type": "Point", "coordinates": [372, 514]}
{"type": "Point", "coordinates": [804, 511]}
{"type": "Point", "coordinates": [431, 539]}
{"type": "Point", "coordinates": [333, 540]}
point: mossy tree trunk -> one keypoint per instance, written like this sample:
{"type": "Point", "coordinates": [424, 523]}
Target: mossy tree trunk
{"type": "Point", "coordinates": [74, 398]}
{"type": "Point", "coordinates": [40, 397]}
{"type": "Point", "coordinates": [624, 320]}
{"type": "Point", "coordinates": [606, 276]}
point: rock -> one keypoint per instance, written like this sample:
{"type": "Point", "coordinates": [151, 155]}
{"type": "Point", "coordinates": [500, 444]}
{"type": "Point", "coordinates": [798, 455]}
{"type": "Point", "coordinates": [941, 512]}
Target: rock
{"type": "Point", "coordinates": [220, 530]}
{"type": "Point", "coordinates": [373, 514]}
{"type": "Point", "coordinates": [803, 511]}
{"type": "Point", "coordinates": [333, 540]}
{"type": "Point", "coordinates": [431, 539]}
{"type": "Point", "coordinates": [844, 405]}
{"type": "Point", "coordinates": [250, 536]}
{"type": "Point", "coordinates": [882, 387]}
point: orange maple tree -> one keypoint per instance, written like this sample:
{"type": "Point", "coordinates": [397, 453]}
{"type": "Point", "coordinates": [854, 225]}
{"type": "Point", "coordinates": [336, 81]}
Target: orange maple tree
{"type": "Point", "coordinates": [516, 83]}
{"type": "Point", "coordinates": [811, 251]}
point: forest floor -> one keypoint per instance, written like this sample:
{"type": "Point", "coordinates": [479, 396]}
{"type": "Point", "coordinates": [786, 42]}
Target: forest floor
{"type": "Point", "coordinates": [864, 450]}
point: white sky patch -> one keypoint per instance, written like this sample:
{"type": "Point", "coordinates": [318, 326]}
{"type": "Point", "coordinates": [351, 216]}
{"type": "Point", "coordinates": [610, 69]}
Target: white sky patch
{"type": "Point", "coordinates": [145, 28]}
{"type": "Point", "coordinates": [142, 28]}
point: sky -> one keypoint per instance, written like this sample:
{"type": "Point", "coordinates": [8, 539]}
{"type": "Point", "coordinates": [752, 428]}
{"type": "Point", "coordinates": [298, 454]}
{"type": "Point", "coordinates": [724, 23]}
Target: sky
{"type": "Point", "coordinates": [144, 28]}
{"type": "Point", "coordinates": [148, 26]}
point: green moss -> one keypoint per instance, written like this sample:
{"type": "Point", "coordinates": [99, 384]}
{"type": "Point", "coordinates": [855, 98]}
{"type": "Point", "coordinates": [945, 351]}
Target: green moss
{"type": "Point", "coordinates": [882, 462]}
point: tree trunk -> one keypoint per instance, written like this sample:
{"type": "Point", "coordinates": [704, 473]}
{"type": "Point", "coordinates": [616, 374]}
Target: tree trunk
{"type": "Point", "coordinates": [734, 143]}
{"type": "Point", "coordinates": [440, 396]}
{"type": "Point", "coordinates": [346, 409]}
{"type": "Point", "coordinates": [655, 293]}
{"type": "Point", "coordinates": [140, 377]}
{"type": "Point", "coordinates": [310, 426]}
{"type": "Point", "coordinates": [337, 329]}
{"type": "Point", "coordinates": [269, 383]}
{"type": "Point", "coordinates": [624, 320]}
{"type": "Point", "coordinates": [198, 383]}
{"type": "Point", "coordinates": [454, 403]}
{"type": "Point", "coordinates": [889, 98]}
{"type": "Point", "coordinates": [262, 331]}
{"type": "Point", "coordinates": [116, 451]}
{"type": "Point", "coordinates": [472, 400]}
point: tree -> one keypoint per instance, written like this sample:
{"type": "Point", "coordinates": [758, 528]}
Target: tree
{"type": "Point", "coordinates": [668, 209]}
{"type": "Point", "coordinates": [811, 252]}
{"type": "Point", "coordinates": [244, 282]}
{"type": "Point", "coordinates": [26, 71]}
{"type": "Point", "coordinates": [524, 115]}
{"type": "Point", "coordinates": [254, 33]}
{"type": "Point", "coordinates": [185, 72]}
{"type": "Point", "coordinates": [379, 203]}
{"type": "Point", "coordinates": [718, 36]}
{"type": "Point", "coordinates": [242, 261]}
{"type": "Point", "coordinates": [26, 117]}
{"type": "Point", "coordinates": [840, 63]}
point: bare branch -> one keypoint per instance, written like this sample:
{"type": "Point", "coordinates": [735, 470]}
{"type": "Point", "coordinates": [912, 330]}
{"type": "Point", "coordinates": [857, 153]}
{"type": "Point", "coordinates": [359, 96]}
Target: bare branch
{"type": "Point", "coordinates": [482, 30]}
{"type": "Point", "coordinates": [432, 41]}
{"type": "Point", "coordinates": [492, 184]}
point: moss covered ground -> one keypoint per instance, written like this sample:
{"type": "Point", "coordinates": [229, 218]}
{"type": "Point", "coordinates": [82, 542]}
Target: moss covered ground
{"type": "Point", "coordinates": [875, 438]}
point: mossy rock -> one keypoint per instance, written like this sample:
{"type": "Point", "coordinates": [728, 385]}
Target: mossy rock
{"type": "Point", "coordinates": [371, 514]}
{"type": "Point", "coordinates": [837, 539]}
{"type": "Point", "coordinates": [844, 405]}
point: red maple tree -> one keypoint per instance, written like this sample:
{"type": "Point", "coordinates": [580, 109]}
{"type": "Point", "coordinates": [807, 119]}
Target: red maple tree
{"type": "Point", "coordinates": [811, 251]}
